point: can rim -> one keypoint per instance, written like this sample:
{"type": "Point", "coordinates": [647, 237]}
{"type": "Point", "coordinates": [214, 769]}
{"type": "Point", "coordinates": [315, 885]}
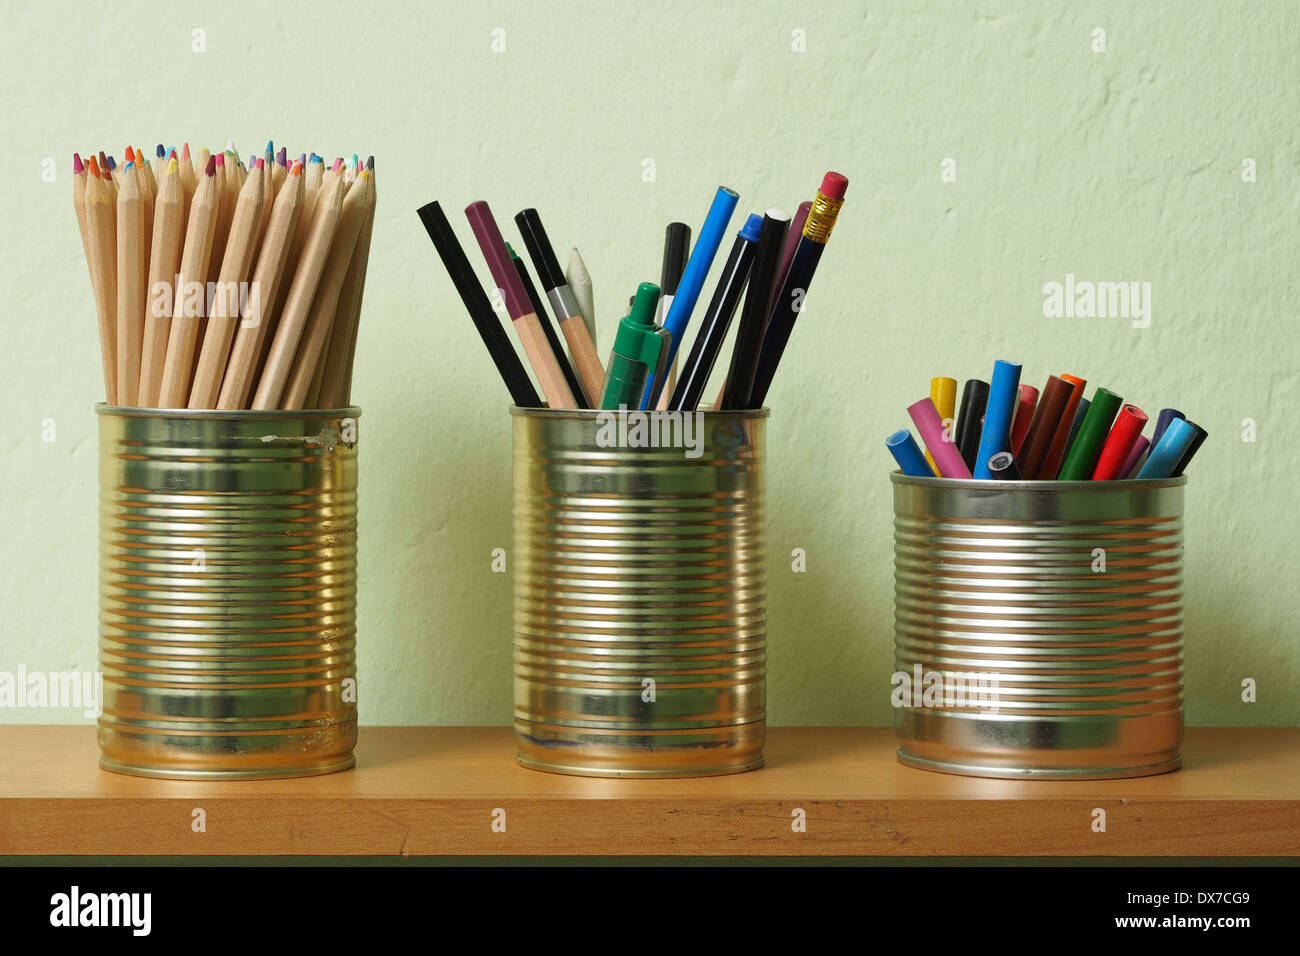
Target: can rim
{"type": "Point", "coordinates": [998, 484]}
{"type": "Point", "coordinates": [591, 413]}
{"type": "Point", "coordinates": [216, 414]}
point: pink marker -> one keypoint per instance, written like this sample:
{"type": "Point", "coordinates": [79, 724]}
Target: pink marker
{"type": "Point", "coordinates": [947, 459]}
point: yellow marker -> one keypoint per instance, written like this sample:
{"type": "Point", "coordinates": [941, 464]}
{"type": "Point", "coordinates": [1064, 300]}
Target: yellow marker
{"type": "Point", "coordinates": [943, 392]}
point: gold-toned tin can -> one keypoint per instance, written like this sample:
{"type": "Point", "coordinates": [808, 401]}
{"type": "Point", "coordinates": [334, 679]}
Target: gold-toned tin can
{"type": "Point", "coordinates": [227, 614]}
{"type": "Point", "coordinates": [1065, 598]}
{"type": "Point", "coordinates": [640, 579]}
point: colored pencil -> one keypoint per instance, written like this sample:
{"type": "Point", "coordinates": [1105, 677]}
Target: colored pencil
{"type": "Point", "coordinates": [526, 324]}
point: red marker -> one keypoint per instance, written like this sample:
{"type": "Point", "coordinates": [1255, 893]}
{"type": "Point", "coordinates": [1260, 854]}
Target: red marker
{"type": "Point", "coordinates": [1119, 443]}
{"type": "Point", "coordinates": [1024, 415]}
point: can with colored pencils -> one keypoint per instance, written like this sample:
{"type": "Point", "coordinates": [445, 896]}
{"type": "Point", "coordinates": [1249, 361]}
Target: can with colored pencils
{"type": "Point", "coordinates": [1038, 626]}
{"type": "Point", "coordinates": [640, 592]}
{"type": "Point", "coordinates": [227, 622]}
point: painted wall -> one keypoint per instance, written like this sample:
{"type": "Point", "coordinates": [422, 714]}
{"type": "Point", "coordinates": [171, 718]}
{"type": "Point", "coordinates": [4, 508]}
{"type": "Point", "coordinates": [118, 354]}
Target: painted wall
{"type": "Point", "coordinates": [1170, 157]}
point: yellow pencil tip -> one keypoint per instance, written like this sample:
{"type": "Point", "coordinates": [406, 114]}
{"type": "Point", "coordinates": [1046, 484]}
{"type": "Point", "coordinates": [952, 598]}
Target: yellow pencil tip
{"type": "Point", "coordinates": [171, 165]}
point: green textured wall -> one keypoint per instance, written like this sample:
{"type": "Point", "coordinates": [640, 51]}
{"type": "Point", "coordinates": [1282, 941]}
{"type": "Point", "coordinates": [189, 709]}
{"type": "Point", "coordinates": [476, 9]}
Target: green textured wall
{"type": "Point", "coordinates": [1126, 164]}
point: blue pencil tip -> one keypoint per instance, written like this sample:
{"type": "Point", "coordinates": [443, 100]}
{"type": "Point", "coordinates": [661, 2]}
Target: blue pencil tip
{"type": "Point", "coordinates": [161, 152]}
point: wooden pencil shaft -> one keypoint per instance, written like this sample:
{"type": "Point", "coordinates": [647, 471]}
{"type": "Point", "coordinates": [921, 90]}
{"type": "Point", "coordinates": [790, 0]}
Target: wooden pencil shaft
{"type": "Point", "coordinates": [183, 335]}
{"type": "Point", "coordinates": [236, 264]}
{"type": "Point", "coordinates": [584, 355]}
{"type": "Point", "coordinates": [336, 368]}
{"type": "Point", "coordinates": [529, 329]}
{"type": "Point", "coordinates": [132, 266]}
{"type": "Point", "coordinates": [306, 278]}
{"type": "Point", "coordinates": [268, 277]}
{"type": "Point", "coordinates": [101, 228]}
{"type": "Point", "coordinates": [311, 349]}
{"type": "Point", "coordinates": [164, 263]}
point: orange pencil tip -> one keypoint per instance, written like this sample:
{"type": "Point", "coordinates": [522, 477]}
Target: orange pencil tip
{"type": "Point", "coordinates": [93, 166]}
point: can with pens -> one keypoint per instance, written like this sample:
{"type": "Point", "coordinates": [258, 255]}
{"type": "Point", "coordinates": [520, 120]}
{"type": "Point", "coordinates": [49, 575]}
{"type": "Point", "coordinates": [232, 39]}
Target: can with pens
{"type": "Point", "coordinates": [640, 591]}
{"type": "Point", "coordinates": [1039, 626]}
{"type": "Point", "coordinates": [227, 622]}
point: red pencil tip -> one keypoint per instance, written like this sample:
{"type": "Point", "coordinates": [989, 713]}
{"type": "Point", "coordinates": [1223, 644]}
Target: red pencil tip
{"type": "Point", "coordinates": [130, 155]}
{"type": "Point", "coordinates": [212, 166]}
{"type": "Point", "coordinates": [261, 163]}
{"type": "Point", "coordinates": [834, 185]}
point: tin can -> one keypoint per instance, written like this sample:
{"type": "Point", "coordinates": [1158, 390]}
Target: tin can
{"type": "Point", "coordinates": [227, 614]}
{"type": "Point", "coordinates": [640, 581]}
{"type": "Point", "coordinates": [1063, 598]}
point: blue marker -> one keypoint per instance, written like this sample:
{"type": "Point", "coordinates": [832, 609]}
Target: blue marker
{"type": "Point", "coordinates": [1004, 396]}
{"type": "Point", "coordinates": [1165, 456]}
{"type": "Point", "coordinates": [692, 281]}
{"type": "Point", "coordinates": [907, 453]}
{"type": "Point", "coordinates": [1167, 415]}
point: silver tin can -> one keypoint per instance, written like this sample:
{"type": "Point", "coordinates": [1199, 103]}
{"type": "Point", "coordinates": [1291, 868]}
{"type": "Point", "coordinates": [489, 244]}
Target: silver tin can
{"type": "Point", "coordinates": [640, 578]}
{"type": "Point", "coordinates": [1064, 599]}
{"type": "Point", "coordinates": [227, 612]}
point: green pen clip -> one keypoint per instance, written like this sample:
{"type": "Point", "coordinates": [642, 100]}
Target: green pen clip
{"type": "Point", "coordinates": [640, 349]}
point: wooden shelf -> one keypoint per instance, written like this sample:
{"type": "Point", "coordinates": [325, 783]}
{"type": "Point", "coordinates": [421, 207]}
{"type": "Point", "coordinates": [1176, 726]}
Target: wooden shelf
{"type": "Point", "coordinates": [432, 791]}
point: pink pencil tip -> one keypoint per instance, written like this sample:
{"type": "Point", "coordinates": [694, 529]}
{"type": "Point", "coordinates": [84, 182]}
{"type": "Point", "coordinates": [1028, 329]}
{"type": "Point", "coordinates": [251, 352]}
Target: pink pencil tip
{"type": "Point", "coordinates": [78, 166]}
{"type": "Point", "coordinates": [834, 185]}
{"type": "Point", "coordinates": [185, 151]}
{"type": "Point", "coordinates": [221, 159]}
{"type": "Point", "coordinates": [261, 163]}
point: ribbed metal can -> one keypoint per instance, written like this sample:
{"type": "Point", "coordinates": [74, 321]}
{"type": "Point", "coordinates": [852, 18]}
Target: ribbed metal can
{"type": "Point", "coordinates": [227, 612]}
{"type": "Point", "coordinates": [640, 579]}
{"type": "Point", "coordinates": [1046, 620]}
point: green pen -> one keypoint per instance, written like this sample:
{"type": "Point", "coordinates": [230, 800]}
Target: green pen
{"type": "Point", "coordinates": [640, 350]}
{"type": "Point", "coordinates": [1083, 454]}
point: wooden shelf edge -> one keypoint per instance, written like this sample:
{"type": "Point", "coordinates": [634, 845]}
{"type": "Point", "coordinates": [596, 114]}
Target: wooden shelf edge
{"type": "Point", "coordinates": [444, 792]}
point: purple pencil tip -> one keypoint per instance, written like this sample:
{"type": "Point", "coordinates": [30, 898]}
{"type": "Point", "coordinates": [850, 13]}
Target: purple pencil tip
{"type": "Point", "coordinates": [280, 156]}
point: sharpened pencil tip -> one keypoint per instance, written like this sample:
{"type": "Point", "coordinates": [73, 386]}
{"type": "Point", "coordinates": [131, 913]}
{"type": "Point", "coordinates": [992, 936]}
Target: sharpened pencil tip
{"type": "Point", "coordinates": [172, 165]}
{"type": "Point", "coordinates": [130, 155]}
{"type": "Point", "coordinates": [161, 152]}
{"type": "Point", "coordinates": [212, 166]}
{"type": "Point", "coordinates": [297, 168]}
{"type": "Point", "coordinates": [78, 166]}
{"type": "Point", "coordinates": [281, 156]}
{"type": "Point", "coordinates": [270, 147]}
{"type": "Point", "coordinates": [261, 163]}
{"type": "Point", "coordinates": [370, 163]}
{"type": "Point", "coordinates": [185, 151]}
{"type": "Point", "coordinates": [219, 158]}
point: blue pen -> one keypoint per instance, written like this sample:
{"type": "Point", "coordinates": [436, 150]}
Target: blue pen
{"type": "Point", "coordinates": [907, 453]}
{"type": "Point", "coordinates": [1004, 395]}
{"type": "Point", "coordinates": [688, 289]}
{"type": "Point", "coordinates": [1165, 456]}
